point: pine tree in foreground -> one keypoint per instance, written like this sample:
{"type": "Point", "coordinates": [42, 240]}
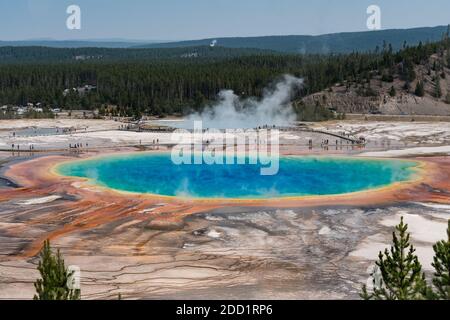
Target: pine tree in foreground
{"type": "Point", "coordinates": [53, 284]}
{"type": "Point", "coordinates": [401, 272]}
{"type": "Point", "coordinates": [441, 264]}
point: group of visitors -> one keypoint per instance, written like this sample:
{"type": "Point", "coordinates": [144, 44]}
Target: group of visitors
{"type": "Point", "coordinates": [78, 145]}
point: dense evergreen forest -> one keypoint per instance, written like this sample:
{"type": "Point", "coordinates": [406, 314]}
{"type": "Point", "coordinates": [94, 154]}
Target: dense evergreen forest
{"type": "Point", "coordinates": [177, 86]}
{"type": "Point", "coordinates": [39, 54]}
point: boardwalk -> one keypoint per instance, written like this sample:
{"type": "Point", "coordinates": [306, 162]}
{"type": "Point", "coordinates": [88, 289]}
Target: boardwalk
{"type": "Point", "coordinates": [332, 134]}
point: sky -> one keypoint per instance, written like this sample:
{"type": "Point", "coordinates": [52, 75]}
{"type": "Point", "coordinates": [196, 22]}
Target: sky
{"type": "Point", "coordinates": [197, 19]}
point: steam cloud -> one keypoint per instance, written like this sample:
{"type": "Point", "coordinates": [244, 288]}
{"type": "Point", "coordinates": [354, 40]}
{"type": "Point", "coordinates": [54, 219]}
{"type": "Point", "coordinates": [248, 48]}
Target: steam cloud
{"type": "Point", "coordinates": [232, 112]}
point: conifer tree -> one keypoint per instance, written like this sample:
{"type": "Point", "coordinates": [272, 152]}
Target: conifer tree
{"type": "Point", "coordinates": [441, 264]}
{"type": "Point", "coordinates": [447, 35]}
{"type": "Point", "coordinates": [420, 91]}
{"type": "Point", "coordinates": [53, 284]}
{"type": "Point", "coordinates": [447, 98]}
{"type": "Point", "coordinates": [438, 90]}
{"type": "Point", "coordinates": [401, 272]}
{"type": "Point", "coordinates": [392, 92]}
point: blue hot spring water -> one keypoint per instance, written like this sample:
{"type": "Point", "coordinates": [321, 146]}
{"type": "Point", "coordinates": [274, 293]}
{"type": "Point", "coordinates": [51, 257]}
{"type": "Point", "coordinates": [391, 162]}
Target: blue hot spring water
{"type": "Point", "coordinates": [297, 176]}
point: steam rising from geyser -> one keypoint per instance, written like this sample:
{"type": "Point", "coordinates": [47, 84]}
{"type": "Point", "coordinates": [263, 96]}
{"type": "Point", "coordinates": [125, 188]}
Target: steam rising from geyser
{"type": "Point", "coordinates": [232, 112]}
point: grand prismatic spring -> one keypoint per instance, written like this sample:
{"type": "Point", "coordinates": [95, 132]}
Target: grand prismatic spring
{"type": "Point", "coordinates": [297, 176]}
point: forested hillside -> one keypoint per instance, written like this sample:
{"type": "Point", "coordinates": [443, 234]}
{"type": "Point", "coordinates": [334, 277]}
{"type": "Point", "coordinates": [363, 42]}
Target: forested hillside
{"type": "Point", "coordinates": [414, 82]}
{"type": "Point", "coordinates": [162, 87]}
{"type": "Point", "coordinates": [347, 42]}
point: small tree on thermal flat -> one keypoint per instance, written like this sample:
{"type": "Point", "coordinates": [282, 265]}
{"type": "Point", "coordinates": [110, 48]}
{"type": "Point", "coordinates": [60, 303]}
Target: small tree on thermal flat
{"type": "Point", "coordinates": [441, 264]}
{"type": "Point", "coordinates": [53, 284]}
{"type": "Point", "coordinates": [401, 272]}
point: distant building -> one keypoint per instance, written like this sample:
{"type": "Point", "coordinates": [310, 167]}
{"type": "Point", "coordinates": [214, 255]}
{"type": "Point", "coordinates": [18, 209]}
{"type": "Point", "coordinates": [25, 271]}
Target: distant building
{"type": "Point", "coordinates": [21, 110]}
{"type": "Point", "coordinates": [190, 55]}
{"type": "Point", "coordinates": [86, 57]}
{"type": "Point", "coordinates": [80, 90]}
